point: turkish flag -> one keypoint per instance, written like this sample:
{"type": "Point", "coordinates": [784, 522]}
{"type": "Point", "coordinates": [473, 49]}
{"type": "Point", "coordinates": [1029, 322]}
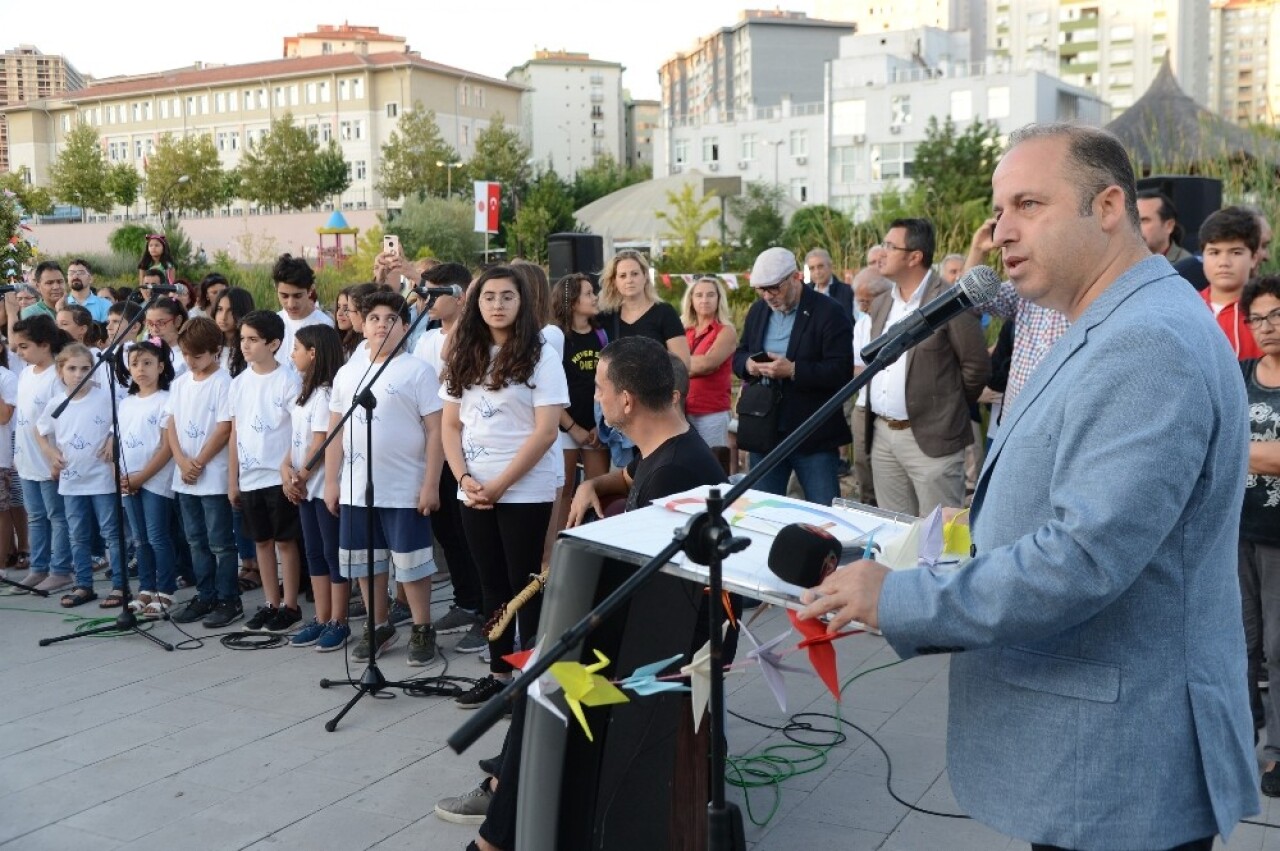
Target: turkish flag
{"type": "Point", "coordinates": [488, 196]}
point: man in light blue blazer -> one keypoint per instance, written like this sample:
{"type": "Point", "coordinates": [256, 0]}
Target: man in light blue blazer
{"type": "Point", "coordinates": [1098, 692]}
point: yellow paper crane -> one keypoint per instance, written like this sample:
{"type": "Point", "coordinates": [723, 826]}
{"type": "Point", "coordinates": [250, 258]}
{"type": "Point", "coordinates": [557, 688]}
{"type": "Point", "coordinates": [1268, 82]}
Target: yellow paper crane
{"type": "Point", "coordinates": [582, 685]}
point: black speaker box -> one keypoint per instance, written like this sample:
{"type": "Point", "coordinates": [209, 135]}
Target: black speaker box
{"type": "Point", "coordinates": [1195, 199]}
{"type": "Point", "coordinates": [570, 253]}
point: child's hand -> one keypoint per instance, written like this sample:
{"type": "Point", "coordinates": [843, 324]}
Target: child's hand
{"type": "Point", "coordinates": [428, 498]}
{"type": "Point", "coordinates": [233, 495]}
{"type": "Point", "coordinates": [331, 497]}
{"type": "Point", "coordinates": [57, 464]}
{"type": "Point", "coordinates": [105, 451]}
{"type": "Point", "coordinates": [191, 470]}
{"type": "Point", "coordinates": [473, 492]}
{"type": "Point", "coordinates": [126, 487]}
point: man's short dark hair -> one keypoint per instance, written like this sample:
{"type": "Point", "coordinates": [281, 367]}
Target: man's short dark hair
{"type": "Point", "coordinates": [154, 272]}
{"type": "Point", "coordinates": [293, 271]}
{"type": "Point", "coordinates": [1165, 211]}
{"type": "Point", "coordinates": [640, 366]}
{"type": "Point", "coordinates": [1229, 224]}
{"type": "Point", "coordinates": [382, 298]}
{"type": "Point", "coordinates": [1096, 159]}
{"type": "Point", "coordinates": [448, 274]}
{"type": "Point", "coordinates": [79, 262]}
{"type": "Point", "coordinates": [1266, 285]}
{"type": "Point", "coordinates": [920, 236]}
{"type": "Point", "coordinates": [266, 322]}
{"type": "Point", "coordinates": [45, 266]}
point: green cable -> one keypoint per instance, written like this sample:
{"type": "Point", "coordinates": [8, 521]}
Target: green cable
{"type": "Point", "coordinates": [82, 622]}
{"type": "Point", "coordinates": [774, 765]}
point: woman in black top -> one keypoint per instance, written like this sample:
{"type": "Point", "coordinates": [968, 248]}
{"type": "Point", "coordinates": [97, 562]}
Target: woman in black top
{"type": "Point", "coordinates": [631, 307]}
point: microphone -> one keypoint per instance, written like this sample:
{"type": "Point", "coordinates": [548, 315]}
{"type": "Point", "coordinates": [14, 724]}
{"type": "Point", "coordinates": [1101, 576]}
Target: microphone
{"type": "Point", "coordinates": [453, 290]}
{"type": "Point", "coordinates": [162, 288]}
{"type": "Point", "coordinates": [804, 555]}
{"type": "Point", "coordinates": [8, 288]}
{"type": "Point", "coordinates": [978, 286]}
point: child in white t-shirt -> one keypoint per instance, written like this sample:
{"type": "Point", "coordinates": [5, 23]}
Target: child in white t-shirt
{"type": "Point", "coordinates": [198, 431]}
{"type": "Point", "coordinates": [146, 473]}
{"type": "Point", "coordinates": [296, 289]}
{"type": "Point", "coordinates": [317, 355]}
{"type": "Point", "coordinates": [504, 389]}
{"type": "Point", "coordinates": [77, 446]}
{"type": "Point", "coordinates": [8, 476]}
{"type": "Point", "coordinates": [261, 399]}
{"type": "Point", "coordinates": [406, 469]}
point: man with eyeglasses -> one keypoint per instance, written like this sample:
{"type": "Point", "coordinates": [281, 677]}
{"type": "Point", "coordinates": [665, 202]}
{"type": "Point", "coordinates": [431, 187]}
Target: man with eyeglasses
{"type": "Point", "coordinates": [82, 293]}
{"type": "Point", "coordinates": [804, 342]}
{"type": "Point", "coordinates": [919, 406]}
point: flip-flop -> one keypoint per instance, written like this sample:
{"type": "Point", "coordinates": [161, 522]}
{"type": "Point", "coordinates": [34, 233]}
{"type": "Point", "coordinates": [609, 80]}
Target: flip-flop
{"type": "Point", "coordinates": [114, 600]}
{"type": "Point", "coordinates": [78, 597]}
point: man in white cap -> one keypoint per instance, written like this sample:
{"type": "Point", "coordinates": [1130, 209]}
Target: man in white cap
{"type": "Point", "coordinates": [802, 343]}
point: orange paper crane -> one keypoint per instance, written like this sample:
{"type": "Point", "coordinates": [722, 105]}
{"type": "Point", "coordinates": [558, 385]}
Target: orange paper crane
{"type": "Point", "coordinates": [821, 654]}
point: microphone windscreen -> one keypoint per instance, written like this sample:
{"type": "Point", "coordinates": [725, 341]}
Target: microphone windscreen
{"type": "Point", "coordinates": [981, 285]}
{"type": "Point", "coordinates": [804, 555]}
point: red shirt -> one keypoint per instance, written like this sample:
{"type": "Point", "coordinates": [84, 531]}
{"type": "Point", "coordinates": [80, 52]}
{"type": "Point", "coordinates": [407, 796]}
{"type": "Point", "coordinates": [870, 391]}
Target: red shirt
{"type": "Point", "coordinates": [708, 394]}
{"type": "Point", "coordinates": [1231, 321]}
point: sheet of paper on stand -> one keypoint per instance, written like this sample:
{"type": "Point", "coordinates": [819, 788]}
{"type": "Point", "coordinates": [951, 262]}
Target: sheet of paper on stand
{"type": "Point", "coordinates": [756, 515]}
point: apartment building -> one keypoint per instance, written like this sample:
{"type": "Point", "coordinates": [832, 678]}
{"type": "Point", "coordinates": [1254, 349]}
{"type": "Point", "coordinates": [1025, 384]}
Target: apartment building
{"type": "Point", "coordinates": [26, 74]}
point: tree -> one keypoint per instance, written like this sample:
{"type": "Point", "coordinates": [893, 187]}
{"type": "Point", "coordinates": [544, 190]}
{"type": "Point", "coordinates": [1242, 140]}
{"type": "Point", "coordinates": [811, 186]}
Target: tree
{"type": "Point", "coordinates": [332, 174]}
{"type": "Point", "coordinates": [124, 183]}
{"type": "Point", "coordinates": [683, 249]}
{"type": "Point", "coordinates": [606, 175]}
{"type": "Point", "coordinates": [410, 155]}
{"type": "Point", "coordinates": [501, 155]}
{"type": "Point", "coordinates": [280, 171]}
{"type": "Point", "coordinates": [79, 175]}
{"type": "Point", "coordinates": [824, 227]}
{"type": "Point", "coordinates": [438, 227]}
{"type": "Point", "coordinates": [955, 169]}
{"type": "Point", "coordinates": [33, 199]}
{"type": "Point", "coordinates": [547, 208]}
{"type": "Point", "coordinates": [192, 157]}
{"type": "Point", "coordinates": [759, 213]}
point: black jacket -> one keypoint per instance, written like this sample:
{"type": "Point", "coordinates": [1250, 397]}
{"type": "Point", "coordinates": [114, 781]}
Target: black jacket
{"type": "Point", "coordinates": [841, 293]}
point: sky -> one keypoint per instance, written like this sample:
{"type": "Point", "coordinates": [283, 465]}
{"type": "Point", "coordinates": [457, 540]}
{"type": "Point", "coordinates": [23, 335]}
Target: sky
{"type": "Point", "coordinates": [485, 36]}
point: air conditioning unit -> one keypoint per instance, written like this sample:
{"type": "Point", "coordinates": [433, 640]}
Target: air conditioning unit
{"type": "Point", "coordinates": [860, 139]}
{"type": "Point", "coordinates": [895, 129]}
{"type": "Point", "coordinates": [802, 160]}
{"type": "Point", "coordinates": [743, 164]}
{"type": "Point", "coordinates": [713, 166]}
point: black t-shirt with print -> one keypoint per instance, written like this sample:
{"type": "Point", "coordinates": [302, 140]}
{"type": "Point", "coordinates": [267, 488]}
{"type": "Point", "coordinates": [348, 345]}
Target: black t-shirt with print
{"type": "Point", "coordinates": [581, 354]}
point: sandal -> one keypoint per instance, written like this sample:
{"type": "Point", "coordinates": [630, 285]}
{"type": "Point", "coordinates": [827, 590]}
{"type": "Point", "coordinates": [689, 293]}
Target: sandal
{"type": "Point", "coordinates": [248, 580]}
{"type": "Point", "coordinates": [114, 600]}
{"type": "Point", "coordinates": [158, 607]}
{"type": "Point", "coordinates": [78, 597]}
{"type": "Point", "coordinates": [139, 603]}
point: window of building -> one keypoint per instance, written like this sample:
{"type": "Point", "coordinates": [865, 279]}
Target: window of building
{"type": "Point", "coordinates": [357, 88]}
{"type": "Point", "coordinates": [1123, 32]}
{"type": "Point", "coordinates": [465, 97]}
{"type": "Point", "coordinates": [393, 109]}
{"type": "Point", "coordinates": [849, 117]}
{"type": "Point", "coordinates": [234, 140]}
{"type": "Point", "coordinates": [137, 149]}
{"type": "Point", "coordinates": [845, 164]}
{"type": "Point", "coordinates": [222, 142]}
{"type": "Point", "coordinates": [326, 48]}
{"type": "Point", "coordinates": [799, 143]}
{"type": "Point", "coordinates": [293, 95]}
{"type": "Point", "coordinates": [342, 90]}
{"type": "Point", "coordinates": [748, 146]}
{"type": "Point", "coordinates": [361, 170]}
{"type": "Point", "coordinates": [680, 152]}
{"type": "Point", "coordinates": [800, 190]}
{"type": "Point", "coordinates": [164, 109]}
{"type": "Point", "coordinates": [710, 149]}
{"type": "Point", "coordinates": [278, 96]}
{"type": "Point", "coordinates": [204, 104]}
{"type": "Point", "coordinates": [466, 135]}
{"type": "Point", "coordinates": [137, 112]}
{"type": "Point", "coordinates": [961, 105]}
{"type": "Point", "coordinates": [326, 132]}
{"type": "Point", "coordinates": [324, 91]}
{"type": "Point", "coordinates": [345, 131]}
{"type": "Point", "coordinates": [892, 160]}
{"type": "Point", "coordinates": [479, 96]}
{"type": "Point", "coordinates": [311, 92]}
{"type": "Point", "coordinates": [66, 123]}
{"type": "Point", "coordinates": [998, 102]}
{"type": "Point", "coordinates": [359, 128]}
{"type": "Point", "coordinates": [900, 110]}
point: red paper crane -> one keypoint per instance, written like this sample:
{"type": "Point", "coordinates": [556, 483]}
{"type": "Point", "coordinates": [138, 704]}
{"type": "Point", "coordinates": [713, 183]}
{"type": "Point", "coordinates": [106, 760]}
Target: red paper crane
{"type": "Point", "coordinates": [821, 654]}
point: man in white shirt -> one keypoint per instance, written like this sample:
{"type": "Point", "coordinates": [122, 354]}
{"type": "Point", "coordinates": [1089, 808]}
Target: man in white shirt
{"type": "Point", "coordinates": [868, 285]}
{"type": "Point", "coordinates": [296, 289]}
{"type": "Point", "coordinates": [920, 404]}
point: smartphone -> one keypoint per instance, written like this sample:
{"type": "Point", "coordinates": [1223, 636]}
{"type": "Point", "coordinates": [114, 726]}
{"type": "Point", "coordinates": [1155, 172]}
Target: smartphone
{"type": "Point", "coordinates": [391, 244]}
{"type": "Point", "coordinates": [761, 357]}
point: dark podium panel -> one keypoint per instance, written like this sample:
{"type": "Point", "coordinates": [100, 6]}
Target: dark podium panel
{"type": "Point", "coordinates": [642, 783]}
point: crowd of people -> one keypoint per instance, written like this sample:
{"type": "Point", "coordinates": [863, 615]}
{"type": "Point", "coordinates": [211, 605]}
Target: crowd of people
{"type": "Point", "coordinates": [497, 425]}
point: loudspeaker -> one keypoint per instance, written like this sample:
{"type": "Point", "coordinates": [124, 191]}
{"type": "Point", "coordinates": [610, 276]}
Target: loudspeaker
{"type": "Point", "coordinates": [1195, 198]}
{"type": "Point", "coordinates": [571, 253]}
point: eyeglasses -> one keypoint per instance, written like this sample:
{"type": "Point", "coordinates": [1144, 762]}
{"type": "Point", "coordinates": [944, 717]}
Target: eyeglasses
{"type": "Point", "coordinates": [1272, 319]}
{"type": "Point", "coordinates": [490, 299]}
{"type": "Point", "coordinates": [159, 323]}
{"type": "Point", "coordinates": [772, 289]}
{"type": "Point", "coordinates": [889, 246]}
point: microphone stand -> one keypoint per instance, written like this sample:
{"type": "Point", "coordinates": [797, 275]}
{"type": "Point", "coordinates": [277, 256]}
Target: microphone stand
{"type": "Point", "coordinates": [127, 620]}
{"type": "Point", "coordinates": [371, 679]}
{"type": "Point", "coordinates": [706, 539]}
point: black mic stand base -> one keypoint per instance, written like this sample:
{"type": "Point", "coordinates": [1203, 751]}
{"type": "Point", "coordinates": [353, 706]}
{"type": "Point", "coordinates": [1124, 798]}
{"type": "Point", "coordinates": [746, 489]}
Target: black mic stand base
{"type": "Point", "coordinates": [371, 682]}
{"type": "Point", "coordinates": [26, 589]}
{"type": "Point", "coordinates": [126, 621]}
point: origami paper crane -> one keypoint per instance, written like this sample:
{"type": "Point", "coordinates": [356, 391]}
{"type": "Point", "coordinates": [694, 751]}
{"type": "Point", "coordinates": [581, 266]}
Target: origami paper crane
{"type": "Point", "coordinates": [521, 660]}
{"type": "Point", "coordinates": [699, 673]}
{"type": "Point", "coordinates": [821, 654]}
{"type": "Point", "coordinates": [583, 686]}
{"type": "Point", "coordinates": [771, 665]}
{"type": "Point", "coordinates": [535, 692]}
{"type": "Point", "coordinates": [644, 680]}
{"type": "Point", "coordinates": [931, 539]}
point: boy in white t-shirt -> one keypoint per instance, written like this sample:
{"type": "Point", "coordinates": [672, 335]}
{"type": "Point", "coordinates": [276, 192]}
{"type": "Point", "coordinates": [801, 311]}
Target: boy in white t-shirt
{"type": "Point", "coordinates": [296, 289]}
{"type": "Point", "coordinates": [261, 429]}
{"type": "Point", "coordinates": [198, 431]}
{"type": "Point", "coordinates": [406, 468]}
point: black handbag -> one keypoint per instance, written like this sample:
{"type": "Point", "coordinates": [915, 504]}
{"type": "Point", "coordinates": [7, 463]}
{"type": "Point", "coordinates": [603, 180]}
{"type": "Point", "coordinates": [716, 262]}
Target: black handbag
{"type": "Point", "coordinates": [758, 405]}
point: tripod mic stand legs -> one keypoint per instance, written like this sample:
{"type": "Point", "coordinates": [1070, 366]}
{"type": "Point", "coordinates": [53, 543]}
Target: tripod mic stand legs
{"type": "Point", "coordinates": [126, 621]}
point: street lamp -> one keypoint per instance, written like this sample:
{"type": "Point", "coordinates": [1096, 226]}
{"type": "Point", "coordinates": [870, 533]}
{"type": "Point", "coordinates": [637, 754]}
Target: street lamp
{"type": "Point", "coordinates": [448, 192]}
{"type": "Point", "coordinates": [167, 194]}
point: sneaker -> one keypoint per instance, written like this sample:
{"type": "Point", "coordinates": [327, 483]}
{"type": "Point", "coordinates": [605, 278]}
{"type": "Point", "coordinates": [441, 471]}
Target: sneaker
{"type": "Point", "coordinates": [260, 619]}
{"type": "Point", "coordinates": [491, 765]}
{"type": "Point", "coordinates": [308, 635]}
{"type": "Point", "coordinates": [284, 619]}
{"type": "Point", "coordinates": [1270, 782]}
{"type": "Point", "coordinates": [484, 654]}
{"type": "Point", "coordinates": [334, 637]}
{"type": "Point", "coordinates": [457, 619]}
{"type": "Point", "coordinates": [481, 693]}
{"type": "Point", "coordinates": [355, 608]}
{"type": "Point", "coordinates": [398, 613]}
{"type": "Point", "coordinates": [469, 808]}
{"type": "Point", "coordinates": [473, 642]}
{"type": "Point", "coordinates": [56, 582]}
{"type": "Point", "coordinates": [422, 645]}
{"type": "Point", "coordinates": [383, 637]}
{"type": "Point", "coordinates": [225, 613]}
{"type": "Point", "coordinates": [195, 609]}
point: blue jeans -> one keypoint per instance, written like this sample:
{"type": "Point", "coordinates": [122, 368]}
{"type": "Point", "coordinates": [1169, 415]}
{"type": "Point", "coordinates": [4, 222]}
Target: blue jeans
{"type": "Point", "coordinates": [149, 517]}
{"type": "Point", "coordinates": [817, 472]}
{"type": "Point", "coordinates": [85, 513]}
{"type": "Point", "coordinates": [207, 523]}
{"type": "Point", "coordinates": [320, 539]}
{"type": "Point", "coordinates": [245, 546]}
{"type": "Point", "coordinates": [47, 528]}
